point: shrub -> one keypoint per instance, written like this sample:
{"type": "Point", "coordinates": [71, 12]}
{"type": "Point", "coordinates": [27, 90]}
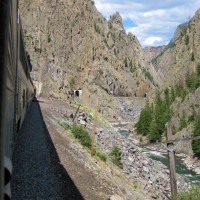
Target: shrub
{"type": "Point", "coordinates": [72, 81]}
{"type": "Point", "coordinates": [101, 155]}
{"type": "Point", "coordinates": [192, 57]}
{"type": "Point", "coordinates": [136, 186]}
{"type": "Point", "coordinates": [82, 135]}
{"type": "Point", "coordinates": [116, 156]}
{"type": "Point", "coordinates": [65, 123]}
{"type": "Point", "coordinates": [187, 40]}
{"type": "Point", "coordinates": [148, 75]}
{"type": "Point", "coordinates": [174, 130]}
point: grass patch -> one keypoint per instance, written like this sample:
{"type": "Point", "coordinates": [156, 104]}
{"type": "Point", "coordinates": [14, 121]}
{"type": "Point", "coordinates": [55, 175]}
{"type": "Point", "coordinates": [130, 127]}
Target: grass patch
{"type": "Point", "coordinates": [111, 182]}
{"type": "Point", "coordinates": [136, 186]}
{"type": "Point", "coordinates": [100, 155]}
{"type": "Point", "coordinates": [65, 123]}
{"type": "Point", "coordinates": [192, 194]}
{"type": "Point", "coordinates": [82, 135]}
{"type": "Point", "coordinates": [98, 170]}
{"type": "Point", "coordinates": [120, 176]}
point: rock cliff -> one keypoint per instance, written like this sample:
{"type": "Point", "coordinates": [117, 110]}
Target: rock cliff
{"type": "Point", "coordinates": [179, 58]}
{"type": "Point", "coordinates": [71, 45]}
{"type": "Point", "coordinates": [173, 63]}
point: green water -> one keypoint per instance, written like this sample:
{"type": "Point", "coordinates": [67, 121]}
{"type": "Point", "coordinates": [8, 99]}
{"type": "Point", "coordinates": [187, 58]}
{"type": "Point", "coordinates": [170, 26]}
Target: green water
{"type": "Point", "coordinates": [188, 175]}
{"type": "Point", "coordinates": [124, 133]}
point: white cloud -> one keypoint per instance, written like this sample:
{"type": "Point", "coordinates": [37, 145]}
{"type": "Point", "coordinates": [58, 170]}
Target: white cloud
{"type": "Point", "coordinates": [152, 40]}
{"type": "Point", "coordinates": [151, 18]}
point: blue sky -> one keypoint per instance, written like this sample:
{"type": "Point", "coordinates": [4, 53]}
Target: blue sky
{"type": "Point", "coordinates": [152, 21]}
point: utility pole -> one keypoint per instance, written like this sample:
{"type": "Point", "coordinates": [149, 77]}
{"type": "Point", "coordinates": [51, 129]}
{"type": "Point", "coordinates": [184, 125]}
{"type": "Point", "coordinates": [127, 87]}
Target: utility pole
{"type": "Point", "coordinates": [171, 156]}
{"type": "Point", "coordinates": [94, 128]}
{"type": "Point", "coordinates": [76, 113]}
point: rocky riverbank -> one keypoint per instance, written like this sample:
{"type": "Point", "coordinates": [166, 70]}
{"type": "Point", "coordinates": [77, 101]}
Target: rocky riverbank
{"type": "Point", "coordinates": [151, 175]}
{"type": "Point", "coordinates": [190, 163]}
{"type": "Point", "coordinates": [108, 181]}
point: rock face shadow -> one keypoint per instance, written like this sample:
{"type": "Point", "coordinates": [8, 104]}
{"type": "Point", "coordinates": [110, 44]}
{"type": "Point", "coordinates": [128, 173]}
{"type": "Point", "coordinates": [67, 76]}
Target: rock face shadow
{"type": "Point", "coordinates": [37, 171]}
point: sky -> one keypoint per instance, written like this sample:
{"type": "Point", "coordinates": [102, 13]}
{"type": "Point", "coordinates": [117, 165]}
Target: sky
{"type": "Point", "coordinates": [152, 21]}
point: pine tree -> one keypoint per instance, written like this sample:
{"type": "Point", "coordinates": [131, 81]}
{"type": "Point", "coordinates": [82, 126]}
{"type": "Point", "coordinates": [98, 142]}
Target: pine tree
{"type": "Point", "coordinates": [154, 117]}
{"type": "Point", "coordinates": [193, 81]}
{"type": "Point", "coordinates": [125, 62]}
{"type": "Point", "coordinates": [184, 93]}
{"type": "Point", "coordinates": [116, 156]}
{"type": "Point", "coordinates": [198, 69]}
{"type": "Point", "coordinates": [162, 114]}
{"type": "Point", "coordinates": [187, 39]}
{"type": "Point", "coordinates": [172, 98]}
{"type": "Point", "coordinates": [146, 116]}
{"type": "Point", "coordinates": [196, 132]}
{"type": "Point", "coordinates": [131, 64]}
{"type": "Point", "coordinates": [178, 90]}
{"type": "Point", "coordinates": [154, 134]}
{"type": "Point", "coordinates": [192, 57]}
{"type": "Point", "coordinates": [167, 98]}
{"type": "Point", "coordinates": [115, 52]}
{"type": "Point", "coordinates": [159, 110]}
{"type": "Point", "coordinates": [183, 120]}
{"type": "Point", "coordinates": [198, 75]}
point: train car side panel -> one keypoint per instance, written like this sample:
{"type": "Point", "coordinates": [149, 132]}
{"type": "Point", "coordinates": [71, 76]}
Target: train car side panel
{"type": "Point", "coordinates": [8, 55]}
{"type": "Point", "coordinates": [11, 77]}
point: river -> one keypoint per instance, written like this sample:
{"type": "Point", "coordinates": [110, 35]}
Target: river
{"type": "Point", "coordinates": [181, 169]}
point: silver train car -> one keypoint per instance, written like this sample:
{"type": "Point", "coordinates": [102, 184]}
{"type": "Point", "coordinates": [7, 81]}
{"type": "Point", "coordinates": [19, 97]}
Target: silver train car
{"type": "Point", "coordinates": [16, 88]}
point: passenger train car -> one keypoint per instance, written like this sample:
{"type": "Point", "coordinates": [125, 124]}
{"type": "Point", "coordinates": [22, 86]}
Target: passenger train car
{"type": "Point", "coordinates": [16, 88]}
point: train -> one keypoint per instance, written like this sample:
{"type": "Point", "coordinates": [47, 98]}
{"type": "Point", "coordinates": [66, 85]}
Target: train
{"type": "Point", "coordinates": [16, 88]}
